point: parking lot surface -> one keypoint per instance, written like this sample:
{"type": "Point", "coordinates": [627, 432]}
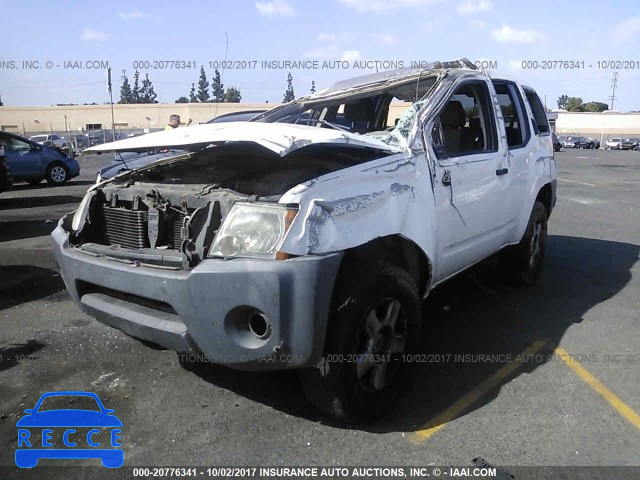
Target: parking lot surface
{"type": "Point", "coordinates": [546, 375]}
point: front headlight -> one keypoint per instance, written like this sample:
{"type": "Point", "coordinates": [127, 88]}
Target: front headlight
{"type": "Point", "coordinates": [80, 217]}
{"type": "Point", "coordinates": [253, 230]}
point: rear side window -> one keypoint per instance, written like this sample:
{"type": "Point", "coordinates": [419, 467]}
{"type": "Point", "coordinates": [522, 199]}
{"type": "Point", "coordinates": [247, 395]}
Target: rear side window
{"type": "Point", "coordinates": [539, 114]}
{"type": "Point", "coordinates": [513, 112]}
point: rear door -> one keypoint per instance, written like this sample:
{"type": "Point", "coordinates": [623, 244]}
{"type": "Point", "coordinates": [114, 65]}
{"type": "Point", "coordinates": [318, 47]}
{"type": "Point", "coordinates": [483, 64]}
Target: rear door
{"type": "Point", "coordinates": [520, 146]}
{"type": "Point", "coordinates": [470, 189]}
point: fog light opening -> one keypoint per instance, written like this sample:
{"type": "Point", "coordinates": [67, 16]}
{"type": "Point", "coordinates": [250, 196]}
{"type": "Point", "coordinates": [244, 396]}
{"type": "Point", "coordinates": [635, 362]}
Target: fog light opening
{"type": "Point", "coordinates": [259, 325]}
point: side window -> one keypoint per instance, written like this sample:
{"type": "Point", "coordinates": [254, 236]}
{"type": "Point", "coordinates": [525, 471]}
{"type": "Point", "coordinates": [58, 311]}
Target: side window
{"type": "Point", "coordinates": [539, 114]}
{"type": "Point", "coordinates": [513, 112]}
{"type": "Point", "coordinates": [466, 125]}
{"type": "Point", "coordinates": [13, 144]}
{"type": "Point", "coordinates": [20, 145]}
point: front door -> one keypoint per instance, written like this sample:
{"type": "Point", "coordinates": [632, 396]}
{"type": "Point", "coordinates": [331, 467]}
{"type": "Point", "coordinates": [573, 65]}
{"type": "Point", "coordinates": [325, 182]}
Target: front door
{"type": "Point", "coordinates": [472, 180]}
{"type": "Point", "coordinates": [23, 158]}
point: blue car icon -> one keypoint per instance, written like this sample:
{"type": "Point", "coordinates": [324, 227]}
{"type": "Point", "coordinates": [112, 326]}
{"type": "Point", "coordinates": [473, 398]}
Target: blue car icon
{"type": "Point", "coordinates": [67, 418]}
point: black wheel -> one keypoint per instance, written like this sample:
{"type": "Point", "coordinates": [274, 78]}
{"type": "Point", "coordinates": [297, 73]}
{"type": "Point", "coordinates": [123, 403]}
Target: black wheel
{"type": "Point", "coordinates": [57, 174]}
{"type": "Point", "coordinates": [522, 263]}
{"type": "Point", "coordinates": [374, 323]}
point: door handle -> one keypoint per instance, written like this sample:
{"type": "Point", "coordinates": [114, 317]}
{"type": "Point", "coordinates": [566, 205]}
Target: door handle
{"type": "Point", "coordinates": [502, 171]}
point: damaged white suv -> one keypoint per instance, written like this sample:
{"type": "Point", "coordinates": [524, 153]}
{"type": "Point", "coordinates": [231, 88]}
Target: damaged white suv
{"type": "Point", "coordinates": [308, 237]}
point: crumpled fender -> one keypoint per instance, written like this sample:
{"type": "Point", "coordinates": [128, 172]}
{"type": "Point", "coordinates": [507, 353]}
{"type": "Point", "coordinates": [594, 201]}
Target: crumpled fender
{"type": "Point", "coordinates": [351, 207]}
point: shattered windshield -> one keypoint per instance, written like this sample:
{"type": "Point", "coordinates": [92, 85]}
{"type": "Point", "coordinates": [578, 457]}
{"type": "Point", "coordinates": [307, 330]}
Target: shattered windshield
{"type": "Point", "coordinates": [385, 113]}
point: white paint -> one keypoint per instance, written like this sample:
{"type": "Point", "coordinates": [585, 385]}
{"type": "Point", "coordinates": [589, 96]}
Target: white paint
{"type": "Point", "coordinates": [576, 181]}
{"type": "Point", "coordinates": [280, 138]}
{"type": "Point", "coordinates": [582, 200]}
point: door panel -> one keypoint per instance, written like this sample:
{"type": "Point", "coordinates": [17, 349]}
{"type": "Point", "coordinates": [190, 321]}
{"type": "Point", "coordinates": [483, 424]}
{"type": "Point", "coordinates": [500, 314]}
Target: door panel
{"type": "Point", "coordinates": [473, 175]}
{"type": "Point", "coordinates": [23, 158]}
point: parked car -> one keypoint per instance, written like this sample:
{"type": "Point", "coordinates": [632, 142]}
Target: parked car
{"type": "Point", "coordinates": [276, 246]}
{"type": "Point", "coordinates": [594, 141]}
{"type": "Point", "coordinates": [629, 144]}
{"type": "Point", "coordinates": [5, 174]}
{"type": "Point", "coordinates": [584, 142]}
{"type": "Point", "coordinates": [31, 162]}
{"type": "Point", "coordinates": [578, 142]}
{"type": "Point", "coordinates": [613, 144]}
{"type": "Point", "coordinates": [50, 140]}
{"type": "Point", "coordinates": [557, 145]}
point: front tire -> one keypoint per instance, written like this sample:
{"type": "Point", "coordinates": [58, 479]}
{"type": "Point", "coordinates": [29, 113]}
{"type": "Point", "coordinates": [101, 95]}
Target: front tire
{"type": "Point", "coordinates": [522, 263]}
{"type": "Point", "coordinates": [374, 323]}
{"type": "Point", "coordinates": [57, 174]}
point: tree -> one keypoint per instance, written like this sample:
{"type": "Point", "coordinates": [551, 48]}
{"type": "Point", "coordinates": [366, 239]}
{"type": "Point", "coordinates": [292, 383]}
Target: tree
{"type": "Point", "coordinates": [574, 104]}
{"type": "Point", "coordinates": [562, 102]}
{"type": "Point", "coordinates": [596, 107]}
{"type": "Point", "coordinates": [147, 94]}
{"type": "Point", "coordinates": [126, 96]}
{"type": "Point", "coordinates": [192, 94]}
{"type": "Point", "coordinates": [313, 86]}
{"type": "Point", "coordinates": [182, 100]}
{"type": "Point", "coordinates": [135, 92]}
{"type": "Point", "coordinates": [232, 95]}
{"type": "Point", "coordinates": [217, 87]}
{"type": "Point", "coordinates": [203, 87]}
{"type": "Point", "coordinates": [289, 95]}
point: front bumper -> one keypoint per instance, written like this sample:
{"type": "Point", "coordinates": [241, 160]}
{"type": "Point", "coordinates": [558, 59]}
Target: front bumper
{"type": "Point", "coordinates": [204, 310]}
{"type": "Point", "coordinates": [73, 166]}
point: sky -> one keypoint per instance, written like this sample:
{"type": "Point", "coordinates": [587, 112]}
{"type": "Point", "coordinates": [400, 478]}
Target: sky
{"type": "Point", "coordinates": [340, 32]}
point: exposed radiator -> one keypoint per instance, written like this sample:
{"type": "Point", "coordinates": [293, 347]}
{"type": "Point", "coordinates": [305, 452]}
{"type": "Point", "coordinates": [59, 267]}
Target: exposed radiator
{"type": "Point", "coordinates": [174, 230]}
{"type": "Point", "coordinates": [127, 228]}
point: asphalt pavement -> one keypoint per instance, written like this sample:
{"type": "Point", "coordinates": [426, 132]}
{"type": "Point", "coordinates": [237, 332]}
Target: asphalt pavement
{"type": "Point", "coordinates": [546, 375]}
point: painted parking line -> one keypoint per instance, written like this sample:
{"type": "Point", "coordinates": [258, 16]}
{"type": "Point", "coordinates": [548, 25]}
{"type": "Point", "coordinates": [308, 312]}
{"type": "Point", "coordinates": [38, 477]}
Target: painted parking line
{"type": "Point", "coordinates": [457, 408]}
{"type": "Point", "coordinates": [578, 182]}
{"type": "Point", "coordinates": [619, 406]}
{"type": "Point", "coordinates": [582, 200]}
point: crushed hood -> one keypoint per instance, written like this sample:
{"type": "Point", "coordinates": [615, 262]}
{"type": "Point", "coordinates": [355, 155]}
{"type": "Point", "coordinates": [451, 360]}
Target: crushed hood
{"type": "Point", "coordinates": [281, 138]}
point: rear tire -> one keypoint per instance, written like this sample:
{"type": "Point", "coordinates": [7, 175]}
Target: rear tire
{"type": "Point", "coordinates": [522, 263]}
{"type": "Point", "coordinates": [57, 174]}
{"type": "Point", "coordinates": [374, 322]}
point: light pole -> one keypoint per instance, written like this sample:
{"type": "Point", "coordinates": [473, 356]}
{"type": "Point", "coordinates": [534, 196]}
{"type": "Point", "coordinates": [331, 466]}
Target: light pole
{"type": "Point", "coordinates": [113, 122]}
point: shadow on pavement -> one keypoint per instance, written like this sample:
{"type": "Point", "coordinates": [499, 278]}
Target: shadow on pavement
{"type": "Point", "coordinates": [31, 202]}
{"type": "Point", "coordinates": [474, 314]}
{"type": "Point", "coordinates": [24, 283]}
{"type": "Point", "coordinates": [21, 229]}
{"type": "Point", "coordinates": [13, 354]}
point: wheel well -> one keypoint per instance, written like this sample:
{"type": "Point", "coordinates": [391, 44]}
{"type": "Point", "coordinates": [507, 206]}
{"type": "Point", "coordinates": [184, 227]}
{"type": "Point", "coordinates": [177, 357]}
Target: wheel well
{"type": "Point", "coordinates": [397, 249]}
{"type": "Point", "coordinates": [544, 196]}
